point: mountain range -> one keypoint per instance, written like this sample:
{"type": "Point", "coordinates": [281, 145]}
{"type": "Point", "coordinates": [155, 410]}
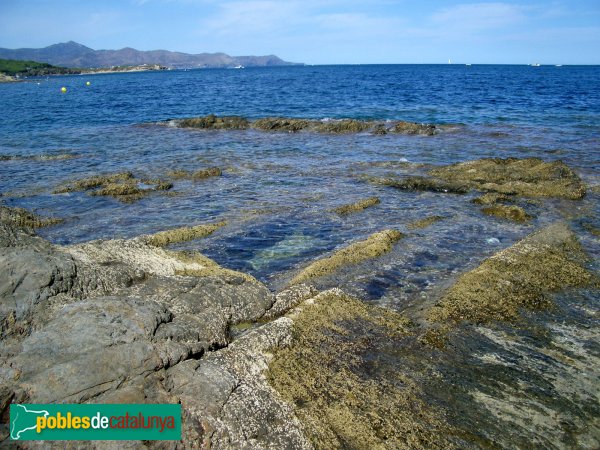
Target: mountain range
{"type": "Point", "coordinates": [72, 54]}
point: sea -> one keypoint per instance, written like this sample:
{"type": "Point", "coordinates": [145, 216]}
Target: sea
{"type": "Point", "coordinates": [278, 190]}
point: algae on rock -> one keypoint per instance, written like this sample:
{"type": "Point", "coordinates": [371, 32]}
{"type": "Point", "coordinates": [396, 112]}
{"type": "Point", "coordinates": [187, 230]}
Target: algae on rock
{"type": "Point", "coordinates": [320, 373]}
{"type": "Point", "coordinates": [512, 212]}
{"type": "Point", "coordinates": [22, 218]}
{"type": "Point", "coordinates": [520, 276]}
{"type": "Point", "coordinates": [424, 223]}
{"type": "Point", "coordinates": [182, 234]}
{"type": "Point", "coordinates": [357, 206]}
{"type": "Point", "coordinates": [375, 245]}
{"type": "Point", "coordinates": [530, 177]}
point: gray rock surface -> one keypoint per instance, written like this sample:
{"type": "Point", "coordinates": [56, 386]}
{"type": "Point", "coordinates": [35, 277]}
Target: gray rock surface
{"type": "Point", "coordinates": [112, 322]}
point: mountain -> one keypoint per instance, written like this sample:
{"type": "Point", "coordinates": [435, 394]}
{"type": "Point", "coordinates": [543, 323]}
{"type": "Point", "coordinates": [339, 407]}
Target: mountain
{"type": "Point", "coordinates": [72, 54]}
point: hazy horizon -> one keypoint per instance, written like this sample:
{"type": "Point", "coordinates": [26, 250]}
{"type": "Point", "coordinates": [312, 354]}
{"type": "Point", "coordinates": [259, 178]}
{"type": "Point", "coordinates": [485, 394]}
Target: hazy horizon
{"type": "Point", "coordinates": [320, 32]}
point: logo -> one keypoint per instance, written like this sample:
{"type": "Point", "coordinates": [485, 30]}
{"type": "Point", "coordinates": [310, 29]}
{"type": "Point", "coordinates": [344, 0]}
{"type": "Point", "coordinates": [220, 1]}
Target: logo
{"type": "Point", "coordinates": [95, 422]}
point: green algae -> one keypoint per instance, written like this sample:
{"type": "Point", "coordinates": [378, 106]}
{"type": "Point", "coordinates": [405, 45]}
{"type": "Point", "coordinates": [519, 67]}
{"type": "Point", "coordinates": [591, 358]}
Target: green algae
{"type": "Point", "coordinates": [357, 206]}
{"type": "Point", "coordinates": [521, 276]}
{"type": "Point", "coordinates": [321, 373]}
{"type": "Point", "coordinates": [512, 212]}
{"type": "Point", "coordinates": [375, 245]}
{"type": "Point", "coordinates": [424, 223]}
{"type": "Point", "coordinates": [23, 218]}
{"type": "Point", "coordinates": [212, 122]}
{"type": "Point", "coordinates": [164, 238]}
{"type": "Point", "coordinates": [529, 177]}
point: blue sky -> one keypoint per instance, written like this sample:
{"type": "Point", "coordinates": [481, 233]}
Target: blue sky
{"type": "Point", "coordinates": [320, 31]}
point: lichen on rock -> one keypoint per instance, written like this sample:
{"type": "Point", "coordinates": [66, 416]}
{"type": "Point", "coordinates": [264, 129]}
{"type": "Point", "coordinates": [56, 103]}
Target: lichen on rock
{"type": "Point", "coordinates": [375, 245]}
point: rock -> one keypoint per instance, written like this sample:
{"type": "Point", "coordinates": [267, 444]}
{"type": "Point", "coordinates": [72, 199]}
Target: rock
{"type": "Point", "coordinates": [22, 218]}
{"type": "Point", "coordinates": [319, 373]}
{"type": "Point", "coordinates": [418, 183]}
{"type": "Point", "coordinates": [529, 177]}
{"type": "Point", "coordinates": [414, 128]}
{"type": "Point", "coordinates": [512, 212]}
{"type": "Point", "coordinates": [491, 198]}
{"type": "Point", "coordinates": [93, 182]}
{"type": "Point", "coordinates": [425, 222]}
{"type": "Point", "coordinates": [288, 299]}
{"type": "Point", "coordinates": [358, 206]}
{"type": "Point", "coordinates": [519, 277]}
{"type": "Point", "coordinates": [229, 398]}
{"type": "Point", "coordinates": [293, 125]}
{"type": "Point", "coordinates": [343, 126]}
{"type": "Point", "coordinates": [164, 238]}
{"type": "Point", "coordinates": [212, 122]}
{"type": "Point", "coordinates": [375, 245]}
{"type": "Point", "coordinates": [206, 173]}
{"type": "Point", "coordinates": [123, 186]}
{"type": "Point", "coordinates": [281, 124]}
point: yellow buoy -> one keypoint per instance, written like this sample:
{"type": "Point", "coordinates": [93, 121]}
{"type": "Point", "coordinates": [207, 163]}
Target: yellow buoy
{"type": "Point", "coordinates": [63, 89]}
{"type": "Point", "coordinates": [87, 83]}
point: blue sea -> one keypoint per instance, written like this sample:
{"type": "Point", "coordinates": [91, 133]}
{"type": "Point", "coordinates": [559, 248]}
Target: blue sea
{"type": "Point", "coordinates": [278, 190]}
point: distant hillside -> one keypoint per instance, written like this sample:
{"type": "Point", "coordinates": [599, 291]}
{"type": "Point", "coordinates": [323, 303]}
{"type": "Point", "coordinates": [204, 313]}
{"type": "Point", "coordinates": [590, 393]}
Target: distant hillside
{"type": "Point", "coordinates": [72, 54]}
{"type": "Point", "coordinates": [31, 68]}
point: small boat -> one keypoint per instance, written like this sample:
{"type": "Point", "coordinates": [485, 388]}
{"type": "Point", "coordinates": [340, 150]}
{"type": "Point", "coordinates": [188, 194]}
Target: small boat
{"type": "Point", "coordinates": [536, 65]}
{"type": "Point", "coordinates": [239, 67]}
{"type": "Point", "coordinates": [558, 65]}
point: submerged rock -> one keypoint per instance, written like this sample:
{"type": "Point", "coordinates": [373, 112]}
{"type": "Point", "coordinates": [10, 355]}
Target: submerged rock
{"type": "Point", "coordinates": [417, 183]}
{"type": "Point", "coordinates": [491, 198]}
{"type": "Point", "coordinates": [530, 177]}
{"type": "Point", "coordinates": [93, 182]}
{"type": "Point", "coordinates": [22, 218]}
{"type": "Point", "coordinates": [424, 223]}
{"type": "Point", "coordinates": [207, 173]}
{"type": "Point", "coordinates": [164, 238]}
{"type": "Point", "coordinates": [375, 245]}
{"type": "Point", "coordinates": [358, 206]}
{"type": "Point", "coordinates": [518, 277]}
{"type": "Point", "coordinates": [123, 186]}
{"type": "Point", "coordinates": [512, 212]}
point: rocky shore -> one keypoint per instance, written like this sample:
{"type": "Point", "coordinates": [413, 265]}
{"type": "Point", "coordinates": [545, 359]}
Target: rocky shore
{"type": "Point", "coordinates": [506, 356]}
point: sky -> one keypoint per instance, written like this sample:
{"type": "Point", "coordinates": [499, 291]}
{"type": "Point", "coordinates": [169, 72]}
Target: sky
{"type": "Point", "coordinates": [320, 31]}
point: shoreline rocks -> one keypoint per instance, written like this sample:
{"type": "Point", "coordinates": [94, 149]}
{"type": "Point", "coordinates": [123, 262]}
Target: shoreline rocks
{"type": "Point", "coordinates": [292, 125]}
{"type": "Point", "coordinates": [375, 245]}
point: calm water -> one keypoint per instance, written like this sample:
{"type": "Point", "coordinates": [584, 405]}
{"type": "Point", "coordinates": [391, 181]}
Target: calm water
{"type": "Point", "coordinates": [278, 190]}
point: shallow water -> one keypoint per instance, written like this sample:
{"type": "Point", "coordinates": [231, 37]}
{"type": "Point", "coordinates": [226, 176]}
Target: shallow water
{"type": "Point", "coordinates": [278, 190]}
